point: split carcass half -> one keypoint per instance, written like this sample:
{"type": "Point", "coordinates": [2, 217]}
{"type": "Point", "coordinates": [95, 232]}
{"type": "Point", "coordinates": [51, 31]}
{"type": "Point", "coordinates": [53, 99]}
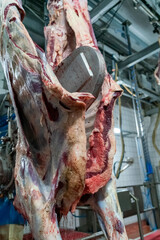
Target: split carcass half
{"type": "Point", "coordinates": [55, 166]}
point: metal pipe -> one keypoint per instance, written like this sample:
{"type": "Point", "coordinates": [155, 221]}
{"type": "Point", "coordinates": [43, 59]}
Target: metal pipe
{"type": "Point", "coordinates": [149, 209]}
{"type": "Point", "coordinates": [139, 56]}
{"type": "Point", "coordinates": [9, 123]}
{"type": "Point", "coordinates": [138, 216]}
{"type": "Point", "coordinates": [102, 8]}
{"type": "Point", "coordinates": [129, 96]}
{"type": "Point", "coordinates": [138, 185]}
{"type": "Point", "coordinates": [146, 9]}
{"type": "Point", "coordinates": [83, 208]}
{"type": "Point", "coordinates": [126, 166]}
{"type": "Point", "coordinates": [4, 99]}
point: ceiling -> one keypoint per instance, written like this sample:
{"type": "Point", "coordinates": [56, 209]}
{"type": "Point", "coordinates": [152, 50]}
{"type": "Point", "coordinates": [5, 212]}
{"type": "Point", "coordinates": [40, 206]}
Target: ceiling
{"type": "Point", "coordinates": [108, 28]}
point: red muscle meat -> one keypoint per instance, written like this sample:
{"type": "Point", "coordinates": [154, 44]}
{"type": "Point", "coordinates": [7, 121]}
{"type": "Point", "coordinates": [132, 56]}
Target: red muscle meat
{"type": "Point", "coordinates": [53, 169]}
{"type": "Point", "coordinates": [102, 145]}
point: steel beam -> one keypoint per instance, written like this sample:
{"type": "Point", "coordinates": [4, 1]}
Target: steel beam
{"type": "Point", "coordinates": [146, 93]}
{"type": "Point", "coordinates": [151, 111]}
{"type": "Point", "coordinates": [139, 56]}
{"type": "Point", "coordinates": [108, 50]}
{"type": "Point", "coordinates": [101, 9]}
{"type": "Point", "coordinates": [142, 101]}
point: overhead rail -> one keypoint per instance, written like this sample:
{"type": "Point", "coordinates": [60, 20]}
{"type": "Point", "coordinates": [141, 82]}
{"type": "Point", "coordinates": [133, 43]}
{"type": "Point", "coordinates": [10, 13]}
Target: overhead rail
{"type": "Point", "coordinates": [139, 56]}
{"type": "Point", "coordinates": [102, 8]}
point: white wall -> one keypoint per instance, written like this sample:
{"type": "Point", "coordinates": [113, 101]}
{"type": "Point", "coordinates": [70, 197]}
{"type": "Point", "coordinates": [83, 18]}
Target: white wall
{"type": "Point", "coordinates": [132, 175]}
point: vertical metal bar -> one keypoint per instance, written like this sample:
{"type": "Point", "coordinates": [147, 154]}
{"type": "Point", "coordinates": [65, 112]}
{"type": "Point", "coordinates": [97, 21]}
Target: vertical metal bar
{"type": "Point", "coordinates": [138, 216]}
{"type": "Point", "coordinates": [113, 68]}
{"type": "Point", "coordinates": [94, 223]}
{"type": "Point", "coordinates": [9, 123]}
{"type": "Point", "coordinates": [155, 201]}
{"type": "Point", "coordinates": [141, 156]}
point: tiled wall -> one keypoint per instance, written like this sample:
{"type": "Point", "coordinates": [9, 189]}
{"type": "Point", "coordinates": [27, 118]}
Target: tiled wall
{"type": "Point", "coordinates": [132, 175]}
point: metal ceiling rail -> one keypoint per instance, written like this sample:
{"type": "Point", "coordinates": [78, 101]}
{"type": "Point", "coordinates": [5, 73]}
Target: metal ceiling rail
{"type": "Point", "coordinates": [109, 50]}
{"type": "Point", "coordinates": [147, 9]}
{"type": "Point", "coordinates": [142, 101]}
{"type": "Point", "coordinates": [139, 56]}
{"type": "Point", "coordinates": [102, 8]}
{"type": "Point", "coordinates": [146, 93]}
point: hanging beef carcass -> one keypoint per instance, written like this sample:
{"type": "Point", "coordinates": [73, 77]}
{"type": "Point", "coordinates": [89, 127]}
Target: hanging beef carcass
{"type": "Point", "coordinates": [55, 162]}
